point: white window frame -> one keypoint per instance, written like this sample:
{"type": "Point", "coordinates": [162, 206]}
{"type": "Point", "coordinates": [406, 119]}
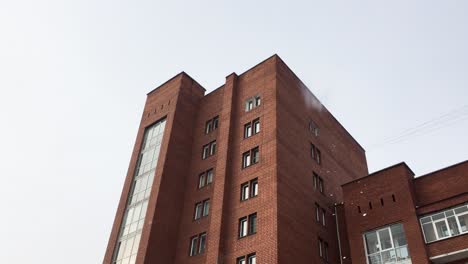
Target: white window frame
{"type": "Point", "coordinates": [445, 220]}
{"type": "Point", "coordinates": [377, 232]}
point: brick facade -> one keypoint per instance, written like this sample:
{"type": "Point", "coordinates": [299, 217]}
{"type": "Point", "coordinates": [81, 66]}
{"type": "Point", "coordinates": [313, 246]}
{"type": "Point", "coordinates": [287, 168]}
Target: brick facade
{"type": "Point", "coordinates": [288, 191]}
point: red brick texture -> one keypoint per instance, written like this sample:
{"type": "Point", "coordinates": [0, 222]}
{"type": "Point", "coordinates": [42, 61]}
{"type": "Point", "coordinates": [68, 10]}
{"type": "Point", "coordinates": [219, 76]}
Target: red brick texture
{"type": "Point", "coordinates": [287, 231]}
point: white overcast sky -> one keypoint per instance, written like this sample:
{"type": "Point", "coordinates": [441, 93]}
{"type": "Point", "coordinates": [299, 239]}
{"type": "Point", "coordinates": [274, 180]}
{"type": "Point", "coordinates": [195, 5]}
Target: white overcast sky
{"type": "Point", "coordinates": [74, 77]}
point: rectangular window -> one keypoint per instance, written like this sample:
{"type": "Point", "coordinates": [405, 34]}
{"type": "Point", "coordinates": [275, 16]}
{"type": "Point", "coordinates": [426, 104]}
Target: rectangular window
{"type": "Point", "coordinates": [250, 157]}
{"type": "Point", "coordinates": [209, 176]}
{"type": "Point", "coordinates": [247, 130]}
{"type": "Point", "coordinates": [202, 246]}
{"type": "Point", "coordinates": [252, 128]}
{"type": "Point", "coordinates": [323, 217]}
{"type": "Point", "coordinates": [252, 102]}
{"type": "Point", "coordinates": [315, 154]}
{"type": "Point", "coordinates": [206, 207]}
{"type": "Point", "coordinates": [243, 227]}
{"type": "Point", "coordinates": [251, 259]}
{"type": "Point", "coordinates": [211, 125]}
{"type": "Point", "coordinates": [256, 126]}
{"type": "Point", "coordinates": [248, 225]}
{"type": "Point", "coordinates": [205, 178]}
{"type": "Point", "coordinates": [198, 211]}
{"type": "Point", "coordinates": [315, 177]}
{"type": "Point", "coordinates": [387, 245]}
{"type": "Point", "coordinates": [209, 149]}
{"type": "Point", "coordinates": [197, 244]}
{"type": "Point", "coordinates": [313, 128]}
{"type": "Point", "coordinates": [249, 189]}
{"type": "Point", "coordinates": [320, 247]}
{"type": "Point", "coordinates": [245, 191]}
{"type": "Point", "coordinates": [321, 187]}
{"type": "Point", "coordinates": [445, 224]}
{"type": "Point", "coordinates": [317, 213]}
{"type": "Point", "coordinates": [193, 245]}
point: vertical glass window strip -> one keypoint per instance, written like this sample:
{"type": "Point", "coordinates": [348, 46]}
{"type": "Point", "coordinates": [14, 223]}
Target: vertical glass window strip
{"type": "Point", "coordinates": [201, 181]}
{"type": "Point", "coordinates": [198, 210]}
{"type": "Point", "coordinates": [252, 224]}
{"type": "Point", "coordinates": [255, 155]}
{"type": "Point", "coordinates": [323, 217]}
{"type": "Point", "coordinates": [135, 212]}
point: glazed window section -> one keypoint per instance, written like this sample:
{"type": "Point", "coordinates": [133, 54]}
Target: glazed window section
{"type": "Point", "coordinates": [315, 154]}
{"type": "Point", "coordinates": [387, 245]}
{"type": "Point", "coordinates": [248, 225]}
{"type": "Point", "coordinates": [205, 178]}
{"type": "Point", "coordinates": [252, 128]}
{"type": "Point", "coordinates": [197, 244]}
{"type": "Point", "coordinates": [209, 149]}
{"type": "Point", "coordinates": [250, 157]}
{"type": "Point", "coordinates": [211, 125]}
{"type": "Point", "coordinates": [202, 209]}
{"type": "Point", "coordinates": [252, 103]}
{"type": "Point", "coordinates": [135, 211]}
{"type": "Point", "coordinates": [249, 189]}
{"type": "Point", "coordinates": [323, 249]}
{"type": "Point", "coordinates": [318, 183]}
{"type": "Point", "coordinates": [313, 128]}
{"type": "Point", "coordinates": [445, 224]}
{"type": "Point", "coordinates": [320, 214]}
{"type": "Point", "coordinates": [249, 259]}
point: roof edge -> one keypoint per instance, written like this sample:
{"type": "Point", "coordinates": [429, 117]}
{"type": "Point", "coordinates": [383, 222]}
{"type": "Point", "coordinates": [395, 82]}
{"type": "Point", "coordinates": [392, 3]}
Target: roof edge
{"type": "Point", "coordinates": [182, 73]}
{"type": "Point", "coordinates": [382, 170]}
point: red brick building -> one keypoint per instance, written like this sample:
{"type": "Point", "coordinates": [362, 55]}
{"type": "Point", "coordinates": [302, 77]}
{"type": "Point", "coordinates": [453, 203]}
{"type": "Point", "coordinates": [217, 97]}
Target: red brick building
{"type": "Point", "coordinates": [249, 173]}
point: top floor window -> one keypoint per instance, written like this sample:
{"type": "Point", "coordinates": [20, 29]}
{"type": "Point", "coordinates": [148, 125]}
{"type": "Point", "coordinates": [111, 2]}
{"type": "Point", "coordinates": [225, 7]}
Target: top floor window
{"type": "Point", "coordinates": [445, 224]}
{"type": "Point", "coordinates": [211, 124]}
{"type": "Point", "coordinates": [252, 102]}
{"type": "Point", "coordinates": [313, 128]}
{"type": "Point", "coordinates": [387, 245]}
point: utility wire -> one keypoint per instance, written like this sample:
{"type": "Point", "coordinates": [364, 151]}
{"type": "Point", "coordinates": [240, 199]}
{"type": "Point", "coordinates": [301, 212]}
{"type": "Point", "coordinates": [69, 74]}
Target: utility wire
{"type": "Point", "coordinates": [447, 119]}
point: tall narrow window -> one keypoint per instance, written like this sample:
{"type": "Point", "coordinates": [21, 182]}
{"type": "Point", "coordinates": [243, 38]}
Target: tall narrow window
{"type": "Point", "coordinates": [209, 176]}
{"type": "Point", "coordinates": [205, 178]}
{"type": "Point", "coordinates": [135, 212]}
{"type": "Point", "coordinates": [256, 126]}
{"type": "Point", "coordinates": [206, 207]}
{"type": "Point", "coordinates": [243, 227]}
{"type": "Point", "coordinates": [245, 191]}
{"type": "Point", "coordinates": [323, 217]}
{"type": "Point", "coordinates": [320, 247]}
{"type": "Point", "coordinates": [313, 128]}
{"type": "Point", "coordinates": [198, 211]}
{"type": "Point", "coordinates": [255, 155]}
{"type": "Point", "coordinates": [241, 260]}
{"type": "Point", "coordinates": [317, 213]}
{"type": "Point", "coordinates": [246, 159]}
{"type": "Point", "coordinates": [325, 244]}
{"type": "Point", "coordinates": [254, 188]}
{"type": "Point", "coordinates": [315, 154]}
{"type": "Point", "coordinates": [252, 224]}
{"type": "Point", "coordinates": [252, 259]}
{"type": "Point", "coordinates": [315, 178]}
{"type": "Point", "coordinates": [321, 187]}
{"type": "Point", "coordinates": [193, 245]}
{"type": "Point", "coordinates": [247, 130]}
{"type": "Point", "coordinates": [202, 246]}
{"type": "Point", "coordinates": [318, 157]}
